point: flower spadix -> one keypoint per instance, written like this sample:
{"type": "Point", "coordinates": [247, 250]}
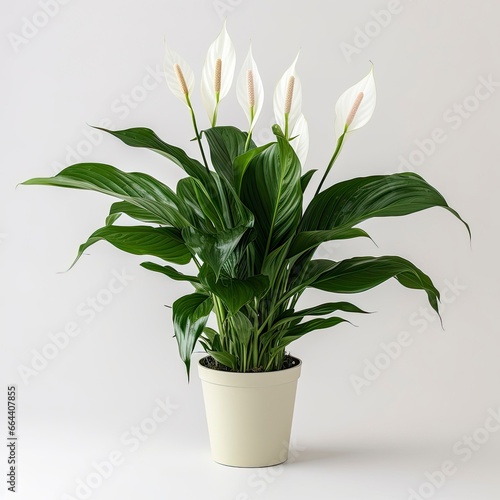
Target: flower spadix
{"type": "Point", "coordinates": [356, 105]}
{"type": "Point", "coordinates": [179, 75]}
{"type": "Point", "coordinates": [287, 100]}
{"type": "Point", "coordinates": [217, 74]}
{"type": "Point", "coordinates": [249, 90]}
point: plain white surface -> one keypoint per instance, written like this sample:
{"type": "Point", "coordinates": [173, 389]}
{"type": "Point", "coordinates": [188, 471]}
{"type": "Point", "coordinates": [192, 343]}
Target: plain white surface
{"type": "Point", "coordinates": [93, 61]}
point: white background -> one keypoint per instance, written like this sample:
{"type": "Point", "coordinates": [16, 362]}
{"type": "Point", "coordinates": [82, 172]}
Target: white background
{"type": "Point", "coordinates": [374, 443]}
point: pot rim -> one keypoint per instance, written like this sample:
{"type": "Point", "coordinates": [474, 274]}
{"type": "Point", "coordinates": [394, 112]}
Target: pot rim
{"type": "Point", "coordinates": [249, 379]}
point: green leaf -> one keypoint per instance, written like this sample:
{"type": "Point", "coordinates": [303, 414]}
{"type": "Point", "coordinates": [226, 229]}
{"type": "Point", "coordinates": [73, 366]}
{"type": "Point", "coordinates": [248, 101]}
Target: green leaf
{"type": "Point", "coordinates": [233, 292]}
{"type": "Point", "coordinates": [300, 330]}
{"type": "Point", "coordinates": [225, 358]}
{"type": "Point", "coordinates": [274, 261]}
{"type": "Point", "coordinates": [190, 315]}
{"type": "Point", "coordinates": [139, 189]}
{"type": "Point", "coordinates": [219, 220]}
{"type": "Point", "coordinates": [322, 309]}
{"type": "Point", "coordinates": [133, 211]}
{"type": "Point", "coordinates": [242, 328]}
{"type": "Point", "coordinates": [306, 178]}
{"type": "Point", "coordinates": [272, 191]}
{"type": "Point", "coordinates": [163, 242]}
{"type": "Point", "coordinates": [214, 249]}
{"type": "Point", "coordinates": [350, 202]}
{"type": "Point", "coordinates": [210, 333]}
{"type": "Point", "coordinates": [307, 240]}
{"type": "Point", "coordinates": [291, 318]}
{"type": "Point", "coordinates": [363, 273]}
{"type": "Point", "coordinates": [241, 163]}
{"type": "Point", "coordinates": [226, 143]}
{"type": "Point", "coordinates": [170, 272]}
{"type": "Point", "coordinates": [141, 137]}
{"type": "Point", "coordinates": [210, 340]}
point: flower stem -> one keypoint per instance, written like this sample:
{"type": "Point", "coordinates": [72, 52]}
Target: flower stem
{"type": "Point", "coordinates": [332, 161]}
{"type": "Point", "coordinates": [249, 136]}
{"type": "Point", "coordinates": [286, 125]}
{"type": "Point", "coordinates": [198, 136]}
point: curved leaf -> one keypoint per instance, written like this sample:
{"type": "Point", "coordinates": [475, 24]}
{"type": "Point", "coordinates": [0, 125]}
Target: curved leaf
{"type": "Point", "coordinates": [163, 242]}
{"type": "Point", "coordinates": [306, 240]}
{"type": "Point", "coordinates": [300, 330]}
{"type": "Point", "coordinates": [141, 137]}
{"type": "Point", "coordinates": [241, 163]}
{"type": "Point", "coordinates": [233, 292]}
{"type": "Point", "coordinates": [350, 202]}
{"type": "Point", "coordinates": [190, 315]}
{"type": "Point", "coordinates": [306, 178]}
{"type": "Point", "coordinates": [272, 191]}
{"type": "Point", "coordinates": [226, 143]}
{"type": "Point", "coordinates": [170, 272]}
{"type": "Point", "coordinates": [225, 359]}
{"type": "Point", "coordinates": [214, 249]}
{"type": "Point", "coordinates": [327, 308]}
{"type": "Point", "coordinates": [363, 273]}
{"type": "Point", "coordinates": [133, 211]}
{"type": "Point", "coordinates": [137, 188]}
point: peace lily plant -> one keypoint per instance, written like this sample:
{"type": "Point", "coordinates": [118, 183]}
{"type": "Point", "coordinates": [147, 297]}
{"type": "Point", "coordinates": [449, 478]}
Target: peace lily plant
{"type": "Point", "coordinates": [239, 216]}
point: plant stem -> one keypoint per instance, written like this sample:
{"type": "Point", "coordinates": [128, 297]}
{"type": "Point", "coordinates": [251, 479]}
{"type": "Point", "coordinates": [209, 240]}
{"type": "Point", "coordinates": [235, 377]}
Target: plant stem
{"type": "Point", "coordinates": [198, 136]}
{"type": "Point", "coordinates": [219, 314]}
{"type": "Point", "coordinates": [332, 161]}
{"type": "Point", "coordinates": [214, 117]}
{"type": "Point", "coordinates": [249, 138]}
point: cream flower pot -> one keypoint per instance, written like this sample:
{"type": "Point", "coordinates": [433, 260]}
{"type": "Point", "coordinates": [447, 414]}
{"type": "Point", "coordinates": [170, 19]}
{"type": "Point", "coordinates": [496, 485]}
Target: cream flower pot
{"type": "Point", "coordinates": [249, 415]}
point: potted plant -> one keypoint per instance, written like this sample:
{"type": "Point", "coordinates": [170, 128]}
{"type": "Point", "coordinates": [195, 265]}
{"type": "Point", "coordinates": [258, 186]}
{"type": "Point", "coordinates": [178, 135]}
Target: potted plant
{"type": "Point", "coordinates": [239, 217]}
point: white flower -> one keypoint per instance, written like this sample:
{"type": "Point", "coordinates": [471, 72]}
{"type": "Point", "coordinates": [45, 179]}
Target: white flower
{"type": "Point", "coordinates": [300, 139]}
{"type": "Point", "coordinates": [179, 75]}
{"type": "Point", "coordinates": [287, 100]}
{"type": "Point", "coordinates": [355, 106]}
{"type": "Point", "coordinates": [249, 90]}
{"type": "Point", "coordinates": [217, 74]}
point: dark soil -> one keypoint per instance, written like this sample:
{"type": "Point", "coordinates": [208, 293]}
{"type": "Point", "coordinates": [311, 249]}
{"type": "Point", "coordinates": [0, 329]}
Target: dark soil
{"type": "Point", "coordinates": [209, 362]}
